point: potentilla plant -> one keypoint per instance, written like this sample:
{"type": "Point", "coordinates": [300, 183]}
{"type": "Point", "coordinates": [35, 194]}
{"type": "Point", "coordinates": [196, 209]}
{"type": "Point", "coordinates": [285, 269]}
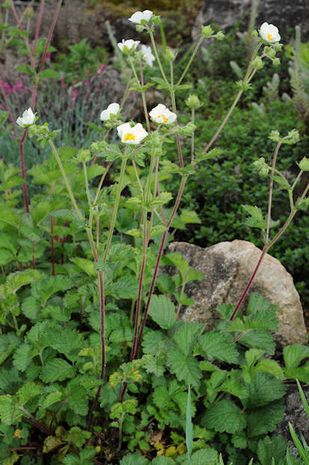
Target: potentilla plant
{"type": "Point", "coordinates": [127, 218]}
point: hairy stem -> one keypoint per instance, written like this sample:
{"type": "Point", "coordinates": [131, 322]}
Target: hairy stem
{"type": "Point", "coordinates": [271, 185]}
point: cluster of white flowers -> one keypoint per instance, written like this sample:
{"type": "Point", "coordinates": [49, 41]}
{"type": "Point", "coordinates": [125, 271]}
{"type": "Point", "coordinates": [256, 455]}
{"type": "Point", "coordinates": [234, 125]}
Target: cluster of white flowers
{"type": "Point", "coordinates": [135, 134]}
{"type": "Point", "coordinates": [129, 46]}
{"type": "Point", "coordinates": [160, 114]}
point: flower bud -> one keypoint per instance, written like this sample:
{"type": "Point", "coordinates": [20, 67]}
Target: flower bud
{"type": "Point", "coordinates": [258, 63]}
{"type": "Point", "coordinates": [261, 167]}
{"type": "Point", "coordinates": [220, 35]}
{"type": "Point", "coordinates": [170, 55]}
{"type": "Point", "coordinates": [193, 102]}
{"type": "Point", "coordinates": [83, 156]}
{"type": "Point", "coordinates": [207, 32]}
{"type": "Point", "coordinates": [276, 61]}
{"type": "Point", "coordinates": [275, 136]}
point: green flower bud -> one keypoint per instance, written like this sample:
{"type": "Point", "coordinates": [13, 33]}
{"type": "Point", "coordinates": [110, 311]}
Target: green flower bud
{"type": "Point", "coordinates": [193, 102]}
{"type": "Point", "coordinates": [292, 137]}
{"type": "Point", "coordinates": [220, 35]}
{"type": "Point", "coordinates": [207, 32]}
{"type": "Point", "coordinates": [304, 164]}
{"type": "Point", "coordinates": [276, 61]}
{"type": "Point", "coordinates": [275, 136]}
{"type": "Point", "coordinates": [257, 63]}
{"type": "Point", "coordinates": [261, 167]}
{"type": "Point", "coordinates": [170, 55]}
{"type": "Point", "coordinates": [83, 156]}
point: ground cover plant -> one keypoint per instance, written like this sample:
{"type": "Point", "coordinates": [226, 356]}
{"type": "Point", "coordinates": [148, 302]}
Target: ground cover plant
{"type": "Point", "coordinates": [96, 364]}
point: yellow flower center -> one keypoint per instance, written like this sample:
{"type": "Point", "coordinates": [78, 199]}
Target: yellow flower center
{"type": "Point", "coordinates": [163, 118]}
{"type": "Point", "coordinates": [129, 136]}
{"type": "Point", "coordinates": [269, 36]}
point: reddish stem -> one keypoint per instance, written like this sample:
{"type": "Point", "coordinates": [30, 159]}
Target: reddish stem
{"type": "Point", "coordinates": [23, 169]}
{"type": "Point", "coordinates": [38, 26]}
{"type": "Point", "coordinates": [249, 284]}
{"type": "Point", "coordinates": [50, 34]}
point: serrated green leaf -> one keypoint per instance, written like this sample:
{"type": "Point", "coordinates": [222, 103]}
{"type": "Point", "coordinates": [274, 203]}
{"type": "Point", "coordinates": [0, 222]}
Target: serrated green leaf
{"type": "Point", "coordinates": [219, 346]}
{"type": "Point", "coordinates": [185, 367]}
{"type": "Point", "coordinates": [258, 339]}
{"type": "Point", "coordinates": [28, 391]}
{"type": "Point", "coordinates": [56, 369]}
{"type": "Point", "coordinates": [133, 459]}
{"type": "Point", "coordinates": [10, 413]}
{"type": "Point", "coordinates": [264, 389]}
{"type": "Point", "coordinates": [256, 218]}
{"type": "Point", "coordinates": [225, 416]}
{"type": "Point", "coordinates": [162, 311]}
{"type": "Point", "coordinates": [22, 357]}
{"type": "Point", "coordinates": [85, 265]}
{"type": "Point", "coordinates": [51, 399]}
{"type": "Point", "coordinates": [271, 448]}
{"type": "Point", "coordinates": [294, 354]}
{"type": "Point", "coordinates": [265, 420]}
{"type": "Point", "coordinates": [205, 456]}
{"type": "Point", "coordinates": [186, 336]}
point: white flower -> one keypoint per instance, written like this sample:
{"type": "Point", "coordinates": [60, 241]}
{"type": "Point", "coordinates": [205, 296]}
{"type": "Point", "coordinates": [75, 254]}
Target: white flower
{"type": "Point", "coordinates": [27, 119]}
{"type": "Point", "coordinates": [112, 109]}
{"type": "Point", "coordinates": [131, 135]}
{"type": "Point", "coordinates": [270, 33]}
{"type": "Point", "coordinates": [162, 115]}
{"type": "Point", "coordinates": [147, 55]}
{"type": "Point", "coordinates": [129, 44]}
{"type": "Point", "coordinates": [140, 16]}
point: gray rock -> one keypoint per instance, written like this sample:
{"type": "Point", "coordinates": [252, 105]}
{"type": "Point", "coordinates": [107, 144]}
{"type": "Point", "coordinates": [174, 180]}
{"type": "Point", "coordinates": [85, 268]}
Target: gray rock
{"type": "Point", "coordinates": [295, 414]}
{"type": "Point", "coordinates": [284, 14]}
{"type": "Point", "coordinates": [227, 267]}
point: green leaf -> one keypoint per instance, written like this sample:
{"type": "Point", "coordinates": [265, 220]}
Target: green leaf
{"type": "Point", "coordinates": [51, 399]}
{"type": "Point", "coordinates": [265, 420]}
{"type": "Point", "coordinates": [28, 391]}
{"type": "Point", "coordinates": [8, 343]}
{"type": "Point", "coordinates": [225, 416]}
{"type": "Point", "coordinates": [85, 265]}
{"type": "Point", "coordinates": [271, 448]}
{"type": "Point", "coordinates": [256, 218]}
{"type": "Point", "coordinates": [186, 336]}
{"type": "Point", "coordinates": [22, 357]}
{"type": "Point", "coordinates": [259, 340]}
{"type": "Point", "coordinates": [264, 389]}
{"type": "Point", "coordinates": [220, 346]}
{"type": "Point", "coordinates": [185, 367]}
{"type": "Point", "coordinates": [49, 74]}
{"type": "Point", "coordinates": [262, 313]}
{"type": "Point", "coordinates": [300, 447]}
{"type": "Point", "coordinates": [205, 456]}
{"type": "Point", "coordinates": [56, 369]}
{"type": "Point", "coordinates": [282, 182]}
{"type": "Point", "coordinates": [19, 279]}
{"type": "Point", "coordinates": [294, 354]}
{"type": "Point", "coordinates": [9, 411]}
{"type": "Point", "coordinates": [303, 398]}
{"type": "Point", "coordinates": [162, 311]}
{"type": "Point", "coordinates": [133, 459]}
{"type": "Point", "coordinates": [162, 461]}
